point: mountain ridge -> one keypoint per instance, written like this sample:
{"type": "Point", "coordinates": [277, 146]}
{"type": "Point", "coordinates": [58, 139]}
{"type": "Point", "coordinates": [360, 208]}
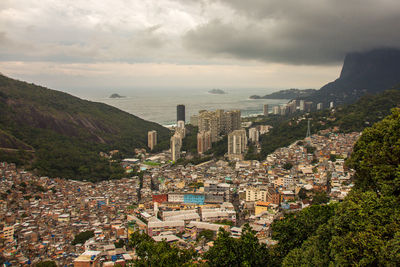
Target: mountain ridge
{"type": "Point", "coordinates": [362, 72]}
{"type": "Point", "coordinates": [292, 93]}
{"type": "Point", "coordinates": [51, 121]}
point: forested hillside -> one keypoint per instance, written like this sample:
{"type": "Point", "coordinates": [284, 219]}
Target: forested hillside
{"type": "Point", "coordinates": [355, 117]}
{"type": "Point", "coordinates": [65, 132]}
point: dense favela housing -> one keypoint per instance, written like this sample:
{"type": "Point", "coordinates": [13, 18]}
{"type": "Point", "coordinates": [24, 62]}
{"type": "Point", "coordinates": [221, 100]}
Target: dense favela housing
{"type": "Point", "coordinates": [80, 223]}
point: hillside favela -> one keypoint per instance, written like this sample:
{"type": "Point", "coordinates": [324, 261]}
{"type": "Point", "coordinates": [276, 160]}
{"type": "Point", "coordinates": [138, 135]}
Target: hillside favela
{"type": "Point", "coordinates": [199, 133]}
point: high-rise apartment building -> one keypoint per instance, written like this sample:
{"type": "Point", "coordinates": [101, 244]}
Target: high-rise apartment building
{"type": "Point", "coordinates": [308, 106]}
{"type": "Point", "coordinates": [203, 142]}
{"type": "Point", "coordinates": [180, 113]}
{"type": "Point", "coordinates": [302, 106]}
{"type": "Point", "coordinates": [219, 122]}
{"type": "Point", "coordinates": [276, 110]}
{"type": "Point", "coordinates": [291, 107]}
{"type": "Point", "coordinates": [237, 144]}
{"type": "Point", "coordinates": [232, 121]}
{"type": "Point", "coordinates": [284, 110]}
{"type": "Point", "coordinates": [265, 109]}
{"type": "Point", "coordinates": [180, 129]}
{"type": "Point", "coordinates": [176, 145]}
{"type": "Point", "coordinates": [152, 139]}
{"type": "Point", "coordinates": [254, 135]}
{"type": "Point", "coordinates": [208, 121]}
{"type": "Point", "coordinates": [180, 124]}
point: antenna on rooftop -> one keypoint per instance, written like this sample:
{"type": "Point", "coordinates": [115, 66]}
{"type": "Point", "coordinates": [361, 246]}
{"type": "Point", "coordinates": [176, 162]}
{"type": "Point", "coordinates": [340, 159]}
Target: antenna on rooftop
{"type": "Point", "coordinates": [308, 129]}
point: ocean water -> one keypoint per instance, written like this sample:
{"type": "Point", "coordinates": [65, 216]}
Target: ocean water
{"type": "Point", "coordinates": [160, 105]}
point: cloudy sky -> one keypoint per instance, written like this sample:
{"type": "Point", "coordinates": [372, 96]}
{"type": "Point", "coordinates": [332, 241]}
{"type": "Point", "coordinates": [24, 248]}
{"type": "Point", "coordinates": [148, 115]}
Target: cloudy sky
{"type": "Point", "coordinates": [86, 44]}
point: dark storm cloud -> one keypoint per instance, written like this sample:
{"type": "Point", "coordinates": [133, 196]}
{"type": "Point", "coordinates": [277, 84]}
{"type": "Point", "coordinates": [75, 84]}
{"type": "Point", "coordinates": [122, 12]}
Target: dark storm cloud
{"type": "Point", "coordinates": [298, 31]}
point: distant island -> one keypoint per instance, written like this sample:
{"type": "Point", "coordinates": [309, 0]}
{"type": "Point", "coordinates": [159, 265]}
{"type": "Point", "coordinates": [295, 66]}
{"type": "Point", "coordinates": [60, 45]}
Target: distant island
{"type": "Point", "coordinates": [217, 91]}
{"type": "Point", "coordinates": [286, 94]}
{"type": "Point", "coordinates": [117, 96]}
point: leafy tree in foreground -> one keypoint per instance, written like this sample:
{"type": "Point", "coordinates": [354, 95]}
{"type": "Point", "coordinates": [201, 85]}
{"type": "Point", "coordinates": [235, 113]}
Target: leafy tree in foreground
{"type": "Point", "coordinates": [251, 251]}
{"type": "Point", "coordinates": [224, 251]}
{"type": "Point", "coordinates": [320, 197]}
{"type": "Point", "coordinates": [151, 253]}
{"type": "Point", "coordinates": [207, 234]}
{"type": "Point", "coordinates": [365, 230]}
{"type": "Point", "coordinates": [376, 156]}
{"type": "Point", "coordinates": [295, 228]}
{"type": "Point", "coordinates": [245, 251]}
{"type": "Point", "coordinates": [313, 252]}
{"type": "Point", "coordinates": [362, 228]}
{"type": "Point", "coordinates": [302, 193]}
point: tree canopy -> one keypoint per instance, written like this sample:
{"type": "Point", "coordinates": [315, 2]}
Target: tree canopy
{"type": "Point", "coordinates": [152, 253]}
{"type": "Point", "coordinates": [376, 157]}
{"type": "Point", "coordinates": [82, 237]}
{"type": "Point", "coordinates": [245, 251]}
{"type": "Point", "coordinates": [365, 228]}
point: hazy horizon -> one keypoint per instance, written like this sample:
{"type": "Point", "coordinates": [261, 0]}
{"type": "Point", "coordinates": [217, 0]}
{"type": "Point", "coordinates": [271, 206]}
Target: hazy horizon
{"type": "Point", "coordinates": [160, 105]}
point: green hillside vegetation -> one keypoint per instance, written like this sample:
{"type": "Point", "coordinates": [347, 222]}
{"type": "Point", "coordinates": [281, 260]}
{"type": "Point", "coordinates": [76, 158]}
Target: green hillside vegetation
{"type": "Point", "coordinates": [365, 230]}
{"type": "Point", "coordinates": [227, 251]}
{"type": "Point", "coordinates": [368, 110]}
{"type": "Point", "coordinates": [152, 253]}
{"type": "Point", "coordinates": [295, 228]}
{"type": "Point", "coordinates": [67, 133]}
{"type": "Point", "coordinates": [9, 141]}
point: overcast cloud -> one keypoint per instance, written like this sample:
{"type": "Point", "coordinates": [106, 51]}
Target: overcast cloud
{"type": "Point", "coordinates": [233, 37]}
{"type": "Point", "coordinates": [299, 31]}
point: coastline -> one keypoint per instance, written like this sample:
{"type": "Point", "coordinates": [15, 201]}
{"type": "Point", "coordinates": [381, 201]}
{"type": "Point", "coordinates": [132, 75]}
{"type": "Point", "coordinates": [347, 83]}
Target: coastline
{"type": "Point", "coordinates": [160, 106]}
